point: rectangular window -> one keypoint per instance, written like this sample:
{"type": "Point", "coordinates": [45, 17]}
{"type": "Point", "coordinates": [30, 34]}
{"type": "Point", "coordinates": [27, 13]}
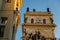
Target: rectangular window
{"type": "Point", "coordinates": [8, 1]}
{"type": "Point", "coordinates": [2, 31]}
{"type": "Point", "coordinates": [4, 19]}
{"type": "Point", "coordinates": [13, 32]}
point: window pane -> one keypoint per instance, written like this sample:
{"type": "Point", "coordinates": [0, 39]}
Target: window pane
{"type": "Point", "coordinates": [44, 21]}
{"type": "Point", "coordinates": [1, 31]}
{"type": "Point", "coordinates": [8, 1]}
{"type": "Point", "coordinates": [3, 19]}
{"type": "Point", "coordinates": [32, 20]}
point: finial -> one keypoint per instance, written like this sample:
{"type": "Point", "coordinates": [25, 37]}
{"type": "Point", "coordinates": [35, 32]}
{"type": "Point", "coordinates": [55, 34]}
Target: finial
{"type": "Point", "coordinates": [48, 10]}
{"type": "Point", "coordinates": [27, 9]}
{"type": "Point", "coordinates": [34, 10]}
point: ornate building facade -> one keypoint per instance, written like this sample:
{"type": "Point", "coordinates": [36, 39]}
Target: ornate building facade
{"type": "Point", "coordinates": [9, 18]}
{"type": "Point", "coordinates": [38, 25]}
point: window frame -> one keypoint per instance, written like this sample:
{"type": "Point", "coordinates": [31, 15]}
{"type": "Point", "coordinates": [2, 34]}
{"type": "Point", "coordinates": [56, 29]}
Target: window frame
{"type": "Point", "coordinates": [44, 21]}
{"type": "Point", "coordinates": [8, 1]}
{"type": "Point", "coordinates": [2, 33]}
{"type": "Point", "coordinates": [32, 20]}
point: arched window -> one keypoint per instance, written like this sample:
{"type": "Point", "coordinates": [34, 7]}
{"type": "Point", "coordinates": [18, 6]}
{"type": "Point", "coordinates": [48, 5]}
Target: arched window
{"type": "Point", "coordinates": [44, 21]}
{"type": "Point", "coordinates": [51, 19]}
{"type": "Point", "coordinates": [32, 20]}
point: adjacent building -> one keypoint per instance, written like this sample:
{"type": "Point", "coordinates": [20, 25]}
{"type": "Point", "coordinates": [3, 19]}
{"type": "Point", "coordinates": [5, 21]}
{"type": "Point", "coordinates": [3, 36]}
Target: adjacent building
{"type": "Point", "coordinates": [9, 18]}
{"type": "Point", "coordinates": [38, 25]}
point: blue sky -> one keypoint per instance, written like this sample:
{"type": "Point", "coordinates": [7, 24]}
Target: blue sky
{"type": "Point", "coordinates": [41, 5]}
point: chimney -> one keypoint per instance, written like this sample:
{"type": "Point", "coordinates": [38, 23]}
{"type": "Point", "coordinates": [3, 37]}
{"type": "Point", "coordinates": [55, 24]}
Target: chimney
{"type": "Point", "coordinates": [34, 10]}
{"type": "Point", "coordinates": [48, 10]}
{"type": "Point", "coordinates": [27, 10]}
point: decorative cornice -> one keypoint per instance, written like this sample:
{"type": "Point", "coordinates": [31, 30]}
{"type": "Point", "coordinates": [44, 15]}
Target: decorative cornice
{"type": "Point", "coordinates": [50, 25]}
{"type": "Point", "coordinates": [38, 14]}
